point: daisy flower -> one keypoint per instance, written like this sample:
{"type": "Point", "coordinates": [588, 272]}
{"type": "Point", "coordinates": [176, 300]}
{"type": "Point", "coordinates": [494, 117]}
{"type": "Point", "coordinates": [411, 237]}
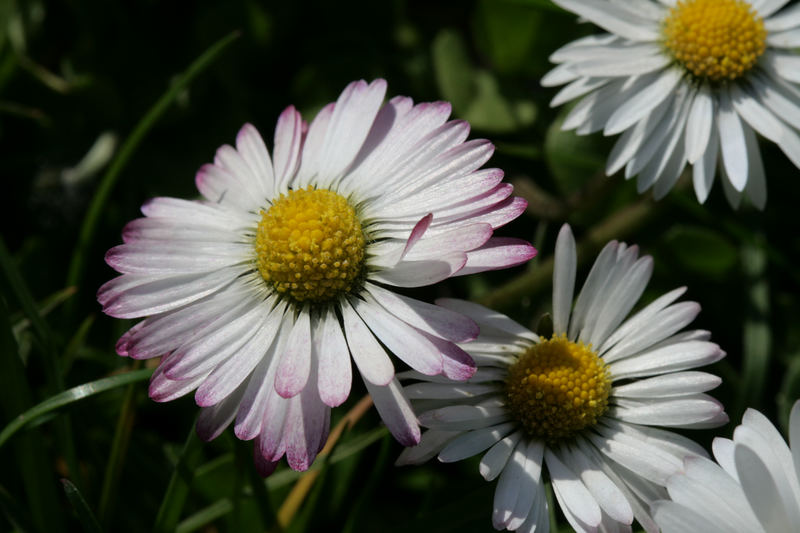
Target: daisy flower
{"type": "Point", "coordinates": [754, 486]}
{"type": "Point", "coordinates": [582, 404]}
{"type": "Point", "coordinates": [686, 81]}
{"type": "Point", "coordinates": [257, 295]}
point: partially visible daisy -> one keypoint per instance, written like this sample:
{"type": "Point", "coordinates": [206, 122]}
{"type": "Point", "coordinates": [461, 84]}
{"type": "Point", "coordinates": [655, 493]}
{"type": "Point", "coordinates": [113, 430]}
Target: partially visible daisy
{"type": "Point", "coordinates": [686, 81]}
{"type": "Point", "coordinates": [582, 403]}
{"type": "Point", "coordinates": [753, 487]}
{"type": "Point", "coordinates": [258, 295]}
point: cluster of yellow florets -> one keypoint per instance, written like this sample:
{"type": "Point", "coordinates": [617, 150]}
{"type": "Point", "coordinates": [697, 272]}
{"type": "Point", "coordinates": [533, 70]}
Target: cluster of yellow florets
{"type": "Point", "coordinates": [715, 39]}
{"type": "Point", "coordinates": [557, 388]}
{"type": "Point", "coordinates": [310, 245]}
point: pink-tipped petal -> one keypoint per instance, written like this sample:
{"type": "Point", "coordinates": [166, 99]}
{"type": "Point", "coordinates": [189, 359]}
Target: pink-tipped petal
{"type": "Point", "coordinates": [335, 369]}
{"type": "Point", "coordinates": [497, 253]}
{"type": "Point", "coordinates": [295, 364]}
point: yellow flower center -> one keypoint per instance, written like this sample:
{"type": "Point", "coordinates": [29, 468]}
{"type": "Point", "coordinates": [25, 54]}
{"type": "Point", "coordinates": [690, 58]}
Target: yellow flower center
{"type": "Point", "coordinates": [715, 39]}
{"type": "Point", "coordinates": [310, 245]}
{"type": "Point", "coordinates": [557, 388]}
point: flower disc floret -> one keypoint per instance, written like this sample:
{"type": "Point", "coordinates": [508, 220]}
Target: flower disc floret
{"type": "Point", "coordinates": [310, 245]}
{"type": "Point", "coordinates": [557, 388]}
{"type": "Point", "coordinates": [715, 39]}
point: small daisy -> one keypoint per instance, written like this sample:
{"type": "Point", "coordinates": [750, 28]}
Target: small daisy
{"type": "Point", "coordinates": [583, 403]}
{"type": "Point", "coordinates": [755, 486]}
{"type": "Point", "coordinates": [258, 295]}
{"type": "Point", "coordinates": [686, 81]}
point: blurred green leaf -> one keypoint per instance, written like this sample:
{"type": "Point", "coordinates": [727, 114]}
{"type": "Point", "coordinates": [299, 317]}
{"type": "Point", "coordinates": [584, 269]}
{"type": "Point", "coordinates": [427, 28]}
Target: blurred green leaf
{"type": "Point", "coordinates": [45, 307]}
{"type": "Point", "coordinates": [85, 514]}
{"type": "Point", "coordinates": [756, 334]}
{"type": "Point", "coordinates": [507, 31]}
{"type": "Point", "coordinates": [701, 250]}
{"type": "Point", "coordinates": [30, 456]}
{"type": "Point", "coordinates": [572, 159]}
{"type": "Point", "coordinates": [71, 396]}
{"type": "Point", "coordinates": [453, 69]}
{"type": "Point", "coordinates": [490, 111]}
{"type": "Point", "coordinates": [178, 489]}
{"type": "Point", "coordinates": [205, 516]}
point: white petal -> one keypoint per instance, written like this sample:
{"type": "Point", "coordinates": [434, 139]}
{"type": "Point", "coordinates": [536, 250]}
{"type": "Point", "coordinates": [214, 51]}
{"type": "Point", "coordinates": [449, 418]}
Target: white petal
{"type": "Point", "coordinates": [510, 487]}
{"type": "Point", "coordinates": [682, 411]}
{"type": "Point", "coordinates": [494, 461]}
{"type": "Point", "coordinates": [762, 493]}
{"type": "Point", "coordinates": [675, 518]}
{"type": "Point", "coordinates": [705, 169]}
{"type": "Point", "coordinates": [352, 119]}
{"type": "Point", "coordinates": [699, 123]}
{"type": "Point", "coordinates": [434, 319]}
{"type": "Point", "coordinates": [465, 416]}
{"type": "Point", "coordinates": [677, 384]}
{"type": "Point", "coordinates": [429, 445]}
{"type": "Point", "coordinates": [295, 363]}
{"type": "Point", "coordinates": [563, 279]}
{"type": "Point", "coordinates": [335, 369]}
{"type": "Point", "coordinates": [395, 412]}
{"type": "Point", "coordinates": [421, 273]}
{"type": "Point", "coordinates": [787, 19]}
{"type": "Point", "coordinates": [643, 102]}
{"type": "Point", "coordinates": [571, 492]}
{"type": "Point", "coordinates": [402, 340]}
{"type": "Point", "coordinates": [474, 442]}
{"type": "Point", "coordinates": [288, 141]}
{"type": "Point", "coordinates": [614, 18]}
{"type": "Point", "coordinates": [484, 316]}
{"type": "Point", "coordinates": [669, 358]}
{"type": "Point", "coordinates": [370, 358]}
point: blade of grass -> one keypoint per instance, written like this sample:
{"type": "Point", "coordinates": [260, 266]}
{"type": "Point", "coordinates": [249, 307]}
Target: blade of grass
{"type": "Point", "coordinates": [45, 307]}
{"type": "Point", "coordinates": [178, 488]}
{"type": "Point", "coordinates": [29, 452]}
{"type": "Point", "coordinates": [13, 512]}
{"type": "Point", "coordinates": [49, 351]}
{"type": "Point", "coordinates": [129, 147]}
{"type": "Point", "coordinates": [85, 515]}
{"type": "Point", "coordinates": [71, 396]}
{"type": "Point", "coordinates": [119, 448]}
{"type": "Point", "coordinates": [205, 516]}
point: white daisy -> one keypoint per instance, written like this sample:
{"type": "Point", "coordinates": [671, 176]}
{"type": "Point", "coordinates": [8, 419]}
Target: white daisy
{"type": "Point", "coordinates": [582, 403]}
{"type": "Point", "coordinates": [755, 486]}
{"type": "Point", "coordinates": [258, 295]}
{"type": "Point", "coordinates": [686, 81]}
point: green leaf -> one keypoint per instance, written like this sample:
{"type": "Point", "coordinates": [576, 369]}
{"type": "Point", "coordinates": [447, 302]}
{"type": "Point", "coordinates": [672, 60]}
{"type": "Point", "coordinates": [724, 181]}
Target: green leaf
{"type": "Point", "coordinates": [30, 457]}
{"type": "Point", "coordinates": [491, 111]}
{"type": "Point", "coordinates": [453, 69]}
{"type": "Point", "coordinates": [205, 516]}
{"type": "Point", "coordinates": [71, 396]}
{"type": "Point", "coordinates": [573, 159]}
{"type": "Point", "coordinates": [128, 148]}
{"type": "Point", "coordinates": [507, 32]}
{"type": "Point", "coordinates": [701, 250]}
{"type": "Point", "coordinates": [756, 333]}
{"type": "Point", "coordinates": [178, 488]}
{"type": "Point", "coordinates": [85, 514]}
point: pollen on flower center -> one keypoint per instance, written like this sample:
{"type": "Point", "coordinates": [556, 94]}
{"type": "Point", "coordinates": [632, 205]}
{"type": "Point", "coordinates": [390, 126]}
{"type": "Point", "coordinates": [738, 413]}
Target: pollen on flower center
{"type": "Point", "coordinates": [310, 245]}
{"type": "Point", "coordinates": [715, 39]}
{"type": "Point", "coordinates": [557, 388]}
